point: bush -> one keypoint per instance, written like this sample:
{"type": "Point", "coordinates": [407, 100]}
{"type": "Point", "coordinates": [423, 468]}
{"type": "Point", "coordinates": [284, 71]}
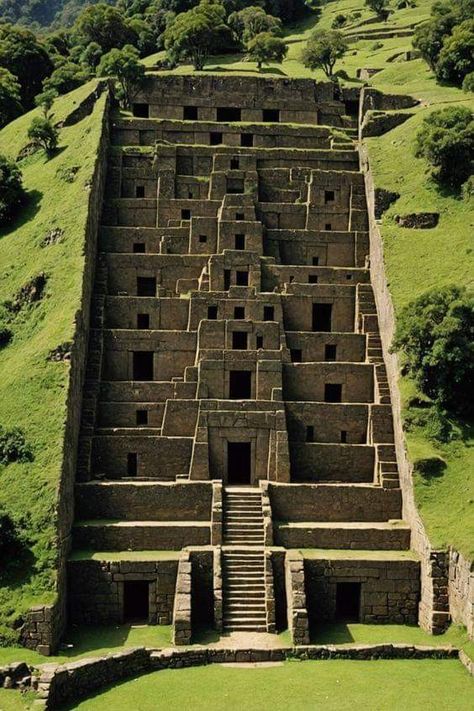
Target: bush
{"type": "Point", "coordinates": [12, 193]}
{"type": "Point", "coordinates": [446, 140]}
{"type": "Point", "coordinates": [468, 188]}
{"type": "Point", "coordinates": [339, 21]}
{"type": "Point", "coordinates": [436, 335]}
{"type": "Point", "coordinates": [9, 541]}
{"type": "Point", "coordinates": [468, 82]}
{"type": "Point", "coordinates": [13, 446]}
{"type": "Point", "coordinates": [5, 336]}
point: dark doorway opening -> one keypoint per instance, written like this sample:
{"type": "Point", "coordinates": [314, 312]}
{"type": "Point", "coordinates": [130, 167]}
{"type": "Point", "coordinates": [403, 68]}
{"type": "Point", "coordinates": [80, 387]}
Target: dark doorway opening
{"type": "Point", "coordinates": [143, 321]}
{"type": "Point", "coordinates": [246, 140]}
{"type": "Point", "coordinates": [239, 470]}
{"type": "Point", "coordinates": [226, 279]}
{"type": "Point", "coordinates": [212, 313]}
{"type": "Point", "coordinates": [140, 191]}
{"type": "Point", "coordinates": [239, 340]}
{"type": "Point", "coordinates": [143, 365]}
{"type": "Point", "coordinates": [240, 384]}
{"type": "Point", "coordinates": [322, 316]}
{"type": "Point", "coordinates": [215, 138]}
{"type": "Point", "coordinates": [333, 392]}
{"type": "Point", "coordinates": [132, 464]}
{"type": "Point", "coordinates": [348, 602]}
{"type": "Point", "coordinates": [330, 351]}
{"type": "Point", "coordinates": [239, 312]}
{"type": "Point", "coordinates": [240, 241]}
{"type": "Point", "coordinates": [190, 113]}
{"type": "Point", "coordinates": [146, 286]}
{"type": "Point", "coordinates": [141, 110]}
{"type": "Point", "coordinates": [271, 115]}
{"type": "Point", "coordinates": [228, 113]}
{"type": "Point", "coordinates": [136, 600]}
{"type": "Point", "coordinates": [241, 278]}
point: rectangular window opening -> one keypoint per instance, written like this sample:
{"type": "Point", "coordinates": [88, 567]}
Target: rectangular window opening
{"type": "Point", "coordinates": [212, 312]}
{"type": "Point", "coordinates": [140, 191]}
{"type": "Point", "coordinates": [240, 384]}
{"type": "Point", "coordinates": [143, 365]}
{"type": "Point", "coordinates": [141, 110]}
{"type": "Point", "coordinates": [142, 417]}
{"type": "Point", "coordinates": [139, 248]}
{"type": "Point", "coordinates": [259, 342]}
{"type": "Point", "coordinates": [215, 138]}
{"type": "Point", "coordinates": [146, 286]}
{"type": "Point", "coordinates": [329, 196]}
{"type": "Point", "coordinates": [333, 392]}
{"type": "Point", "coordinates": [246, 140]}
{"type": "Point", "coordinates": [185, 214]}
{"type": "Point", "coordinates": [227, 279]}
{"type": "Point", "coordinates": [240, 241]}
{"type": "Point", "coordinates": [190, 113]}
{"type": "Point", "coordinates": [310, 433]}
{"type": "Point", "coordinates": [330, 352]}
{"type": "Point", "coordinates": [132, 464]}
{"type": "Point", "coordinates": [239, 340]}
{"type": "Point", "coordinates": [296, 355]}
{"type": "Point", "coordinates": [241, 278]}
{"type": "Point", "coordinates": [343, 436]}
{"type": "Point", "coordinates": [234, 163]}
{"type": "Point", "coordinates": [239, 312]}
{"type": "Point", "coordinates": [228, 113]}
{"type": "Point", "coordinates": [271, 115]}
{"type": "Point", "coordinates": [143, 321]}
{"type": "Point", "coordinates": [322, 317]}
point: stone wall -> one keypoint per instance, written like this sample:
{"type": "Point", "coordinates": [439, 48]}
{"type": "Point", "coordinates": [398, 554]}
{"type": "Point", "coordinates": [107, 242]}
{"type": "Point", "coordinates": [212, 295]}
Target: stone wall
{"type": "Point", "coordinates": [68, 683]}
{"type": "Point", "coordinates": [182, 625]}
{"type": "Point", "coordinates": [434, 607]}
{"type": "Point", "coordinates": [44, 625]}
{"type": "Point", "coordinates": [389, 589]}
{"type": "Point", "coordinates": [296, 598]}
{"type": "Point", "coordinates": [96, 589]}
{"type": "Point", "coordinates": [461, 590]}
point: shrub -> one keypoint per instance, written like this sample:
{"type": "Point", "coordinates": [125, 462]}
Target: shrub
{"type": "Point", "coordinates": [380, 7]}
{"type": "Point", "coordinates": [12, 193]}
{"type": "Point", "coordinates": [5, 336]}
{"type": "Point", "coordinates": [468, 82]}
{"type": "Point", "coordinates": [13, 446]}
{"type": "Point", "coordinates": [436, 334]}
{"type": "Point", "coordinates": [446, 140]}
{"type": "Point", "coordinates": [468, 188]}
{"type": "Point", "coordinates": [44, 134]}
{"type": "Point", "coordinates": [9, 541]}
{"type": "Point", "coordinates": [339, 21]}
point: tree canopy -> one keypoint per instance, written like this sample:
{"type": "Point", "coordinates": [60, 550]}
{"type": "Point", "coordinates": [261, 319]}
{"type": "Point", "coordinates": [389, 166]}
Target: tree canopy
{"type": "Point", "coordinates": [323, 49]}
{"type": "Point", "coordinates": [266, 48]}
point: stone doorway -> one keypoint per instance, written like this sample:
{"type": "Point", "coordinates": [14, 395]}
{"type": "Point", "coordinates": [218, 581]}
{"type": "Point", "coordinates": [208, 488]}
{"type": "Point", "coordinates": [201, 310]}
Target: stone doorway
{"type": "Point", "coordinates": [239, 463]}
{"type": "Point", "coordinates": [348, 602]}
{"type": "Point", "coordinates": [136, 595]}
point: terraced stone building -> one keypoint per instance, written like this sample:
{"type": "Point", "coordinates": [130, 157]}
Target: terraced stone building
{"type": "Point", "coordinates": [237, 466]}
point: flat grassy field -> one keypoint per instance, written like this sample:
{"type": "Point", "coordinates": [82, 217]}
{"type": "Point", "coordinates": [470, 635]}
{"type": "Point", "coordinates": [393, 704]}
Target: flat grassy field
{"type": "Point", "coordinates": [32, 388]}
{"type": "Point", "coordinates": [334, 685]}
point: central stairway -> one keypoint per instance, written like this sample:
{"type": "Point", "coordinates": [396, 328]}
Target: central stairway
{"type": "Point", "coordinates": [244, 561]}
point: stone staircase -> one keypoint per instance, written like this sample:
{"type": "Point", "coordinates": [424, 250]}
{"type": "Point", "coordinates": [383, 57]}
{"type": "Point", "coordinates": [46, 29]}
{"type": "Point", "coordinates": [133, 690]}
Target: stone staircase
{"type": "Point", "coordinates": [243, 517]}
{"type": "Point", "coordinates": [243, 561]}
{"type": "Point", "coordinates": [244, 590]}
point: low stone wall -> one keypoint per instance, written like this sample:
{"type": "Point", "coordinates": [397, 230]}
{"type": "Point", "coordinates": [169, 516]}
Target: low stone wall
{"type": "Point", "coordinates": [68, 683]}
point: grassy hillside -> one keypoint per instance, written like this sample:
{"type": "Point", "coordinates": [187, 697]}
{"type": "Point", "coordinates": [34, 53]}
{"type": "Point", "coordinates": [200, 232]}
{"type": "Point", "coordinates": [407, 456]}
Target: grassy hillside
{"type": "Point", "coordinates": [33, 388]}
{"type": "Point", "coordinates": [416, 260]}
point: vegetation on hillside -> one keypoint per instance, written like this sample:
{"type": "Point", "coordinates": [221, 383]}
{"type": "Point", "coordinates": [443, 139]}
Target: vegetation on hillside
{"type": "Point", "coordinates": [42, 257]}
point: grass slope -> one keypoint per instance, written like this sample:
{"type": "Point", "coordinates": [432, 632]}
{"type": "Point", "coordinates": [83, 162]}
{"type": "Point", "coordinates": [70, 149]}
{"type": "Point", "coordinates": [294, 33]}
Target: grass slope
{"type": "Point", "coordinates": [32, 388]}
{"type": "Point", "coordinates": [416, 260]}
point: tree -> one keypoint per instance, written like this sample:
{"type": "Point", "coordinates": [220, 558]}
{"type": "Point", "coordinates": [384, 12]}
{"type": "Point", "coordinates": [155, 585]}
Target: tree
{"type": "Point", "coordinates": [380, 7]}
{"type": "Point", "coordinates": [104, 25]}
{"type": "Point", "coordinates": [446, 140]}
{"type": "Point", "coordinates": [26, 59]}
{"type": "Point", "coordinates": [468, 82]}
{"type": "Point", "coordinates": [12, 193]}
{"type": "Point", "coordinates": [194, 33]}
{"type": "Point", "coordinates": [45, 101]}
{"type": "Point", "coordinates": [266, 48]}
{"type": "Point", "coordinates": [10, 105]}
{"type": "Point", "coordinates": [456, 58]}
{"type": "Point", "coordinates": [323, 49]}
{"type": "Point", "coordinates": [429, 37]}
{"type": "Point", "coordinates": [436, 334]}
{"type": "Point", "coordinates": [66, 77]}
{"type": "Point", "coordinates": [43, 134]}
{"type": "Point", "coordinates": [124, 64]}
{"type": "Point", "coordinates": [252, 21]}
{"type": "Point", "coordinates": [91, 55]}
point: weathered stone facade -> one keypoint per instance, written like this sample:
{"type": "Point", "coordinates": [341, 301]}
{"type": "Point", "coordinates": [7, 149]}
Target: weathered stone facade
{"type": "Point", "coordinates": [236, 392]}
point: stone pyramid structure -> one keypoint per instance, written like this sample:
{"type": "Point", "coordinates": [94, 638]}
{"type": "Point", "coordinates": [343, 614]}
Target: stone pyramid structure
{"type": "Point", "coordinates": [237, 465]}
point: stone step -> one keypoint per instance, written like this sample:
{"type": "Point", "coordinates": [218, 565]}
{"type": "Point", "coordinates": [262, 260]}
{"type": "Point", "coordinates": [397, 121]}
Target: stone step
{"type": "Point", "coordinates": [248, 577]}
{"type": "Point", "coordinates": [244, 588]}
{"type": "Point", "coordinates": [246, 619]}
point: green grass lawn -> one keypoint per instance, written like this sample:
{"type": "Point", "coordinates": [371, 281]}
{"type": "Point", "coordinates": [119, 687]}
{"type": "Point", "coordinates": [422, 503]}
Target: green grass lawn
{"type": "Point", "coordinates": [335, 685]}
{"type": "Point", "coordinates": [33, 389]}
